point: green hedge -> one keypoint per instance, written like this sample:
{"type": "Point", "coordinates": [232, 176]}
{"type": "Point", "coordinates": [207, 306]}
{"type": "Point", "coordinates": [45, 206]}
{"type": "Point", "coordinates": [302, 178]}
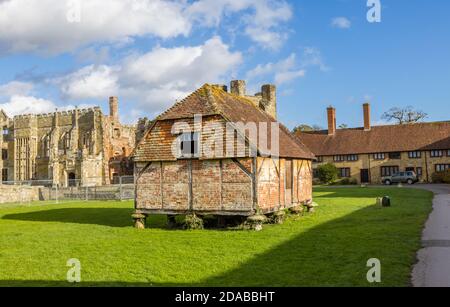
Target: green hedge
{"type": "Point", "coordinates": [327, 173]}
{"type": "Point", "coordinates": [441, 177]}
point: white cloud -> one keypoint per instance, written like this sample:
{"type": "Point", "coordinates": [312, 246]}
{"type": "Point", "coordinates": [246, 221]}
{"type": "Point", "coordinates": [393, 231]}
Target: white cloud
{"type": "Point", "coordinates": [311, 57]}
{"type": "Point", "coordinates": [89, 82]}
{"type": "Point", "coordinates": [261, 20]}
{"type": "Point", "coordinates": [15, 88]}
{"type": "Point", "coordinates": [43, 26]}
{"type": "Point", "coordinates": [341, 23]}
{"type": "Point", "coordinates": [287, 76]}
{"type": "Point", "coordinates": [283, 71]}
{"type": "Point", "coordinates": [19, 104]}
{"type": "Point", "coordinates": [18, 97]}
{"type": "Point", "coordinates": [154, 80]}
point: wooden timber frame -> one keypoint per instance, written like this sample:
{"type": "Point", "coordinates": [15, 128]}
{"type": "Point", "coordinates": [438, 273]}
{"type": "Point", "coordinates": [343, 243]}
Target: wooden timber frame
{"type": "Point", "coordinates": [252, 173]}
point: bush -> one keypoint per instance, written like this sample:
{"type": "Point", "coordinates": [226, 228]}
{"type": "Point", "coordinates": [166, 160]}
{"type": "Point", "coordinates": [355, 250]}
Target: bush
{"type": "Point", "coordinates": [346, 181]}
{"type": "Point", "coordinates": [327, 173]}
{"type": "Point", "coordinates": [193, 222]}
{"type": "Point", "coordinates": [441, 177]}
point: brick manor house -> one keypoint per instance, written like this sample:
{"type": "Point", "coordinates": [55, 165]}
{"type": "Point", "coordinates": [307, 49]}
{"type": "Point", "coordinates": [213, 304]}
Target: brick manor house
{"type": "Point", "coordinates": [76, 147]}
{"type": "Point", "coordinates": [370, 152]}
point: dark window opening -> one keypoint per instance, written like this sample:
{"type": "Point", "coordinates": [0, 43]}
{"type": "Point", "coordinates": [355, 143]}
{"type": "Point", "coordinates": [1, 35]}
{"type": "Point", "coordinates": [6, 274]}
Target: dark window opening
{"type": "Point", "coordinates": [415, 154]}
{"type": "Point", "coordinates": [344, 172]}
{"type": "Point", "coordinates": [379, 156]}
{"type": "Point", "coordinates": [389, 170]}
{"type": "Point", "coordinates": [419, 172]}
{"type": "Point", "coordinates": [352, 158]}
{"type": "Point", "coordinates": [116, 133]}
{"type": "Point", "coordinates": [436, 153]}
{"type": "Point", "coordinates": [72, 180]}
{"type": "Point", "coordinates": [442, 167]}
{"type": "Point", "coordinates": [4, 154]}
{"type": "Point", "coordinates": [339, 158]}
{"type": "Point", "coordinates": [395, 155]}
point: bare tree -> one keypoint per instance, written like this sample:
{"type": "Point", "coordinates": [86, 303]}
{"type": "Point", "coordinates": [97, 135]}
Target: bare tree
{"type": "Point", "coordinates": [405, 115]}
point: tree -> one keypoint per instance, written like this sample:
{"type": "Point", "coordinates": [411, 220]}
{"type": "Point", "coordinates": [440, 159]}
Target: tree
{"type": "Point", "coordinates": [405, 115]}
{"type": "Point", "coordinates": [306, 128]}
{"type": "Point", "coordinates": [327, 173]}
{"type": "Point", "coordinates": [343, 126]}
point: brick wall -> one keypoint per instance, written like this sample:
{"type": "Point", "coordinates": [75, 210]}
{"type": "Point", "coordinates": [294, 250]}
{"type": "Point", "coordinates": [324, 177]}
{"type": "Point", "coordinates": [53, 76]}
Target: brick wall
{"type": "Point", "coordinates": [217, 185]}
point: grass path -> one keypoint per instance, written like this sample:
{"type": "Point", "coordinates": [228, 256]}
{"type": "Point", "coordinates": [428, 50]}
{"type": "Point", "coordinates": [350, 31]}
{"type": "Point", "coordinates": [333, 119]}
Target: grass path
{"type": "Point", "coordinates": [328, 248]}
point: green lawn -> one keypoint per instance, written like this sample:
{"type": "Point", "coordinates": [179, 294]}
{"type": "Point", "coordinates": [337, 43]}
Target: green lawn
{"type": "Point", "coordinates": [327, 248]}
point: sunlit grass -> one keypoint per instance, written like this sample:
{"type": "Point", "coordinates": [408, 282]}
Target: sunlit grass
{"type": "Point", "coordinates": [329, 247]}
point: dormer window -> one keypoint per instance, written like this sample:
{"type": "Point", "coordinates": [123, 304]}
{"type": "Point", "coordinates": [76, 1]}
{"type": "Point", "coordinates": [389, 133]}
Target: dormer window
{"type": "Point", "coordinates": [188, 145]}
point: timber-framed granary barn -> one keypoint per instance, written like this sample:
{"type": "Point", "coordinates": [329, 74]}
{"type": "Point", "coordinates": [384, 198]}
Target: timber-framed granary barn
{"type": "Point", "coordinates": [202, 157]}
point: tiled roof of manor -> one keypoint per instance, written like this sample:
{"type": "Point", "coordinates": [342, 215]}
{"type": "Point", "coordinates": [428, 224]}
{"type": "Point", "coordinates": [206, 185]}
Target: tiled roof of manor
{"type": "Point", "coordinates": [213, 100]}
{"type": "Point", "coordinates": [389, 138]}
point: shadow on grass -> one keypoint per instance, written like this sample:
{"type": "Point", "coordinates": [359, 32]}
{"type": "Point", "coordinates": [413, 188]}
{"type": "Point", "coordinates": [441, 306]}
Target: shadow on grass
{"type": "Point", "coordinates": [334, 253]}
{"type": "Point", "coordinates": [112, 217]}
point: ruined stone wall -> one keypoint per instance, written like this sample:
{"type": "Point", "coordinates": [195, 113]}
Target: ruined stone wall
{"type": "Point", "coordinates": [119, 141]}
{"type": "Point", "coordinates": [17, 194]}
{"type": "Point", "coordinates": [59, 146]}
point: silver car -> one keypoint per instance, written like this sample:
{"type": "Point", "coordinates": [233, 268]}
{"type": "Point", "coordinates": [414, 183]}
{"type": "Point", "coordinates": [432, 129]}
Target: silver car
{"type": "Point", "coordinates": [408, 177]}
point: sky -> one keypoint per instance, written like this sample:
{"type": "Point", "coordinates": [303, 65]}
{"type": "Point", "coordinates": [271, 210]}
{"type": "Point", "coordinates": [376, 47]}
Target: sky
{"type": "Point", "coordinates": [150, 53]}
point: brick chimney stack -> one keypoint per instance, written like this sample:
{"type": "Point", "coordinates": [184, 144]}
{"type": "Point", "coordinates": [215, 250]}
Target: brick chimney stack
{"type": "Point", "coordinates": [366, 108]}
{"type": "Point", "coordinates": [238, 87]}
{"type": "Point", "coordinates": [114, 108]}
{"type": "Point", "coordinates": [331, 120]}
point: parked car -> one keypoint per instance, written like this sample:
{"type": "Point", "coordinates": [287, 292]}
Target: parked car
{"type": "Point", "coordinates": [401, 177]}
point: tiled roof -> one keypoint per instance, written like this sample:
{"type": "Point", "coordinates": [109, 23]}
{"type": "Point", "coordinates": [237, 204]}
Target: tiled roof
{"type": "Point", "coordinates": [212, 100]}
{"type": "Point", "coordinates": [390, 138]}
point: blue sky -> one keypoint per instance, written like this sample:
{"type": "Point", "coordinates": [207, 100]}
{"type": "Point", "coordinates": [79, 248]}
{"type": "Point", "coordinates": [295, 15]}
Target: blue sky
{"type": "Point", "coordinates": [152, 52]}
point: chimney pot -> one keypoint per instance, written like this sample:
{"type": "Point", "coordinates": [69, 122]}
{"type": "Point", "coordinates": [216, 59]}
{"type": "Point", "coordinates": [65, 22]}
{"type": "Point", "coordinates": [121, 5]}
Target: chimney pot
{"type": "Point", "coordinates": [331, 120]}
{"type": "Point", "coordinates": [367, 124]}
{"type": "Point", "coordinates": [269, 99]}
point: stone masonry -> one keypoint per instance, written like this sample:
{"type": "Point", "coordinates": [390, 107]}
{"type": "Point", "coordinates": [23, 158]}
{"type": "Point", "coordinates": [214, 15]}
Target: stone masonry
{"type": "Point", "coordinates": [76, 147]}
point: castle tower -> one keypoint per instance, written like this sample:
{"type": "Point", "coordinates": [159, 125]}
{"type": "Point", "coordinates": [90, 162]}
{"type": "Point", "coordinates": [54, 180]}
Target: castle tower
{"type": "Point", "coordinates": [114, 108]}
